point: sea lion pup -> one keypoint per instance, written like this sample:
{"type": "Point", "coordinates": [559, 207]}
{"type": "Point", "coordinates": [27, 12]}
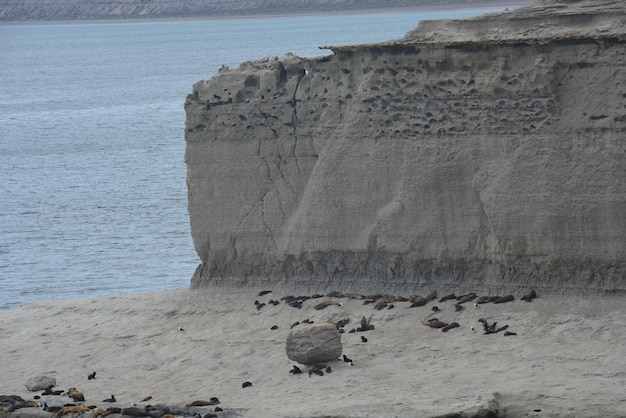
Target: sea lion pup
{"type": "Point", "coordinates": [365, 325]}
{"type": "Point", "coordinates": [246, 385]}
{"type": "Point", "coordinates": [264, 292]}
{"type": "Point", "coordinates": [504, 299]}
{"type": "Point", "coordinates": [78, 409]}
{"type": "Point", "coordinates": [75, 395]}
{"type": "Point", "coordinates": [326, 304]}
{"type": "Point", "coordinates": [91, 376]}
{"type": "Point", "coordinates": [450, 326]}
{"type": "Point", "coordinates": [295, 324]}
{"type": "Point", "coordinates": [295, 370]}
{"type": "Point", "coordinates": [317, 369]}
{"type": "Point", "coordinates": [530, 295]}
{"type": "Point", "coordinates": [435, 323]}
{"type": "Point", "coordinates": [111, 399]}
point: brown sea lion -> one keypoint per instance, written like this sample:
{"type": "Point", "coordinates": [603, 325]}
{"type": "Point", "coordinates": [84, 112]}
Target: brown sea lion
{"type": "Point", "coordinates": [417, 300]}
{"type": "Point", "coordinates": [98, 412]}
{"type": "Point", "coordinates": [317, 369]}
{"type": "Point", "coordinates": [466, 298]}
{"type": "Point", "coordinates": [431, 296]}
{"type": "Point", "coordinates": [134, 411]}
{"type": "Point", "coordinates": [355, 296]}
{"type": "Point", "coordinates": [399, 298]}
{"type": "Point", "coordinates": [25, 404]}
{"type": "Point", "coordinates": [435, 323]}
{"type": "Point", "coordinates": [326, 304]}
{"type": "Point", "coordinates": [530, 295]}
{"type": "Point", "coordinates": [365, 325]}
{"type": "Point", "coordinates": [4, 408]}
{"type": "Point", "coordinates": [75, 395]}
{"type": "Point", "coordinates": [380, 304]}
{"type": "Point", "coordinates": [485, 299]}
{"type": "Point", "coordinates": [504, 299]}
{"type": "Point", "coordinates": [78, 409]}
{"type": "Point", "coordinates": [334, 295]}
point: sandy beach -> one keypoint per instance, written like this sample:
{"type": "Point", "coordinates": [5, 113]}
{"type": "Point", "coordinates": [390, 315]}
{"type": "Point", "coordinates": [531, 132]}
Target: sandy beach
{"type": "Point", "coordinates": [567, 359]}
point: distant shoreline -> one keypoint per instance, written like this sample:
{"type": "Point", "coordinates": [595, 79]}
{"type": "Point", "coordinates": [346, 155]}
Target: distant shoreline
{"type": "Point", "coordinates": [426, 8]}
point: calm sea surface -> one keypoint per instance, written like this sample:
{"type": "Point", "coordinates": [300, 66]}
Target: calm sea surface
{"type": "Point", "coordinates": [93, 199]}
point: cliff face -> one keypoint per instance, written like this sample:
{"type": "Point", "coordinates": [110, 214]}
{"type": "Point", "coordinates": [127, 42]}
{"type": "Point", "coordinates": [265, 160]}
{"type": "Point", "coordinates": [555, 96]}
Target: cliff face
{"type": "Point", "coordinates": [486, 153]}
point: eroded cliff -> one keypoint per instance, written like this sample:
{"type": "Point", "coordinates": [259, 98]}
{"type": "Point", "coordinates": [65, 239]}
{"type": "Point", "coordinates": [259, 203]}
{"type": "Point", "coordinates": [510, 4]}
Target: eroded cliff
{"type": "Point", "coordinates": [486, 153]}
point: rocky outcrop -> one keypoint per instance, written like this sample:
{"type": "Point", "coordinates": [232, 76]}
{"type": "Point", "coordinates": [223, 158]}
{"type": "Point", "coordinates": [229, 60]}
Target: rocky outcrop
{"type": "Point", "coordinates": [483, 153]}
{"type": "Point", "coordinates": [309, 344]}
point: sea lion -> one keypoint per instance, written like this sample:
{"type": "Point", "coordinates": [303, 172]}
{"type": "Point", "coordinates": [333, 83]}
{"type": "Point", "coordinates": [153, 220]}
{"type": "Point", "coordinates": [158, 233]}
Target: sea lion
{"type": "Point", "coordinates": [134, 411]}
{"type": "Point", "coordinates": [202, 403]}
{"type": "Point", "coordinates": [508, 333]}
{"type": "Point", "coordinates": [355, 296]}
{"type": "Point", "coordinates": [365, 325]}
{"type": "Point", "coordinates": [504, 299]}
{"type": "Point", "coordinates": [295, 370]}
{"type": "Point", "coordinates": [274, 327]}
{"type": "Point", "coordinates": [91, 376]}
{"type": "Point", "coordinates": [458, 307]}
{"type": "Point", "coordinates": [328, 369]}
{"type": "Point", "coordinates": [380, 304]}
{"type": "Point", "coordinates": [78, 409]}
{"type": "Point", "coordinates": [259, 305]}
{"type": "Point", "coordinates": [246, 385]}
{"type": "Point", "coordinates": [334, 295]}
{"type": "Point", "coordinates": [317, 369]}
{"type": "Point", "coordinates": [264, 292]}
{"type": "Point", "coordinates": [485, 299]}
{"type": "Point", "coordinates": [400, 299]}
{"type": "Point", "coordinates": [75, 395]}
{"type": "Point", "coordinates": [435, 323]}
{"type": "Point", "coordinates": [435, 308]}
{"type": "Point", "coordinates": [111, 399]}
{"type": "Point", "coordinates": [450, 326]}
{"type": "Point", "coordinates": [346, 359]}
{"type": "Point", "coordinates": [146, 399]}
{"type": "Point", "coordinates": [274, 302]}
{"type": "Point", "coordinates": [465, 298]}
{"type": "Point", "coordinates": [447, 297]}
{"type": "Point", "coordinates": [326, 304]}
{"type": "Point", "coordinates": [342, 322]}
{"type": "Point", "coordinates": [530, 295]}
{"type": "Point", "coordinates": [96, 412]}
{"type": "Point", "coordinates": [363, 339]}
{"type": "Point", "coordinates": [295, 324]}
{"type": "Point", "coordinates": [417, 300]}
{"type": "Point", "coordinates": [26, 404]}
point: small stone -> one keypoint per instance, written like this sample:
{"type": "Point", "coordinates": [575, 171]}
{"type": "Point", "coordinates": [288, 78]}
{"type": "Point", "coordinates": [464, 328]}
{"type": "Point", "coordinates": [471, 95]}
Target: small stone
{"type": "Point", "coordinates": [42, 382]}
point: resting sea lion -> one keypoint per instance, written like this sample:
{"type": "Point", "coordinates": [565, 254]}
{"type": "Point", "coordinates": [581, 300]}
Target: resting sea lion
{"type": "Point", "coordinates": [530, 295]}
{"type": "Point", "coordinates": [202, 403]}
{"type": "Point", "coordinates": [450, 326]}
{"type": "Point", "coordinates": [246, 385]}
{"type": "Point", "coordinates": [295, 370]}
{"type": "Point", "coordinates": [466, 298]}
{"type": "Point", "coordinates": [78, 409]}
{"type": "Point", "coordinates": [326, 304]}
{"type": "Point", "coordinates": [134, 411]}
{"type": "Point", "coordinates": [111, 399]}
{"type": "Point", "coordinates": [435, 323]}
{"type": "Point", "coordinates": [91, 376]}
{"type": "Point", "coordinates": [504, 299]}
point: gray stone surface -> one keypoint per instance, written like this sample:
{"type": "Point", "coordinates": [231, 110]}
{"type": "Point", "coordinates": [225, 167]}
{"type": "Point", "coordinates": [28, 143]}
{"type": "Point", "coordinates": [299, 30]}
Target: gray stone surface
{"type": "Point", "coordinates": [314, 343]}
{"type": "Point", "coordinates": [41, 382]}
{"type": "Point", "coordinates": [491, 160]}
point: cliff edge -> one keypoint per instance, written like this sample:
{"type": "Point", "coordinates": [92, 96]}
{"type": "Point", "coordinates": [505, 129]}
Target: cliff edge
{"type": "Point", "coordinates": [485, 153]}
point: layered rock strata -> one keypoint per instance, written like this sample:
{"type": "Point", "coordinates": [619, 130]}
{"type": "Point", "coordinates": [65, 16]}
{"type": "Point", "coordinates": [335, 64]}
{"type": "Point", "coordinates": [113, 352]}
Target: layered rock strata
{"type": "Point", "coordinates": [485, 153]}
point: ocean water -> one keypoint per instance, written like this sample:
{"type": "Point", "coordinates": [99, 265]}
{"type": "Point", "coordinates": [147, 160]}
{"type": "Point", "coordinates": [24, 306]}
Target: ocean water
{"type": "Point", "coordinates": [93, 199]}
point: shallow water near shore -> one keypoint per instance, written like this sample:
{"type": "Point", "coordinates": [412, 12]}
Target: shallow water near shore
{"type": "Point", "coordinates": [93, 195]}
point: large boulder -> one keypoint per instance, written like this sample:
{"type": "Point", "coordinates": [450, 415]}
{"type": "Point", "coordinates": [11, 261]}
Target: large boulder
{"type": "Point", "coordinates": [307, 344]}
{"type": "Point", "coordinates": [42, 382]}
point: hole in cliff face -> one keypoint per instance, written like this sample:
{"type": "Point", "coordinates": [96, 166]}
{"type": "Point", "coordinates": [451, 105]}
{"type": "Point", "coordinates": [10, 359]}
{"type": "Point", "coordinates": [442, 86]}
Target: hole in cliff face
{"type": "Point", "coordinates": [252, 81]}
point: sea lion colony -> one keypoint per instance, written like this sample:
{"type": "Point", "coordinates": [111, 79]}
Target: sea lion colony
{"type": "Point", "coordinates": [10, 403]}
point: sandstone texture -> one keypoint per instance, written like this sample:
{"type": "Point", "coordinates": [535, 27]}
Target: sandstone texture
{"type": "Point", "coordinates": [485, 153]}
{"type": "Point", "coordinates": [42, 382]}
{"type": "Point", "coordinates": [309, 344]}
